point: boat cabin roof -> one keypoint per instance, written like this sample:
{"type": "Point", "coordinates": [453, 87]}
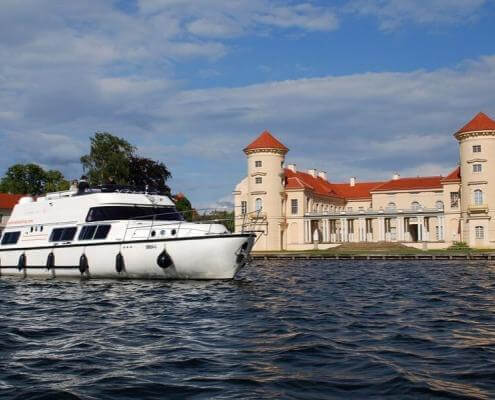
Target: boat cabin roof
{"type": "Point", "coordinates": [69, 207]}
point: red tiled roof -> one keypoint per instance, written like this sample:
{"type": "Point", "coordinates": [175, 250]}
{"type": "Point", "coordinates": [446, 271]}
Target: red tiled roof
{"type": "Point", "coordinates": [300, 180]}
{"type": "Point", "coordinates": [8, 201]}
{"type": "Point", "coordinates": [454, 176]}
{"type": "Point", "coordinates": [266, 141]}
{"type": "Point", "coordinates": [481, 122]}
{"type": "Point", "coordinates": [420, 182]}
{"type": "Point", "coordinates": [361, 190]}
{"type": "Point", "coordinates": [296, 183]}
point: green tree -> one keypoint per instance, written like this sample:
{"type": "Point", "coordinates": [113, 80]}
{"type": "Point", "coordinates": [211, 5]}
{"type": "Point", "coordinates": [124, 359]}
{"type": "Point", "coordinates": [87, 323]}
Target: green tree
{"type": "Point", "coordinates": [225, 218]}
{"type": "Point", "coordinates": [144, 171]}
{"type": "Point", "coordinates": [109, 157]}
{"type": "Point", "coordinates": [32, 179]}
{"type": "Point", "coordinates": [55, 181]}
{"type": "Point", "coordinates": [183, 205]}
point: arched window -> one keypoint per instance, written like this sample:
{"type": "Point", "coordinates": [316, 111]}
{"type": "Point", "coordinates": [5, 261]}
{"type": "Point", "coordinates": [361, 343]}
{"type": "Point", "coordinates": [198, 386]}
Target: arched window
{"type": "Point", "coordinates": [258, 205]}
{"type": "Point", "coordinates": [391, 206]}
{"type": "Point", "coordinates": [415, 205]}
{"type": "Point", "coordinates": [479, 232]}
{"type": "Point", "coordinates": [478, 197]}
{"type": "Point", "coordinates": [439, 204]}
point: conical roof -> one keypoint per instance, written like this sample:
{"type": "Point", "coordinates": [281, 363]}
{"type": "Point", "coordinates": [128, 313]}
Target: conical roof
{"type": "Point", "coordinates": [266, 141]}
{"type": "Point", "coordinates": [481, 122]}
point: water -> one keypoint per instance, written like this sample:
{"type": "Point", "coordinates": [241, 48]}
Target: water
{"type": "Point", "coordinates": [282, 329]}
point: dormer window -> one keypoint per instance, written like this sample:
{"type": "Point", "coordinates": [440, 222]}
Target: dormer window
{"type": "Point", "coordinates": [477, 148]}
{"type": "Point", "coordinates": [257, 164]}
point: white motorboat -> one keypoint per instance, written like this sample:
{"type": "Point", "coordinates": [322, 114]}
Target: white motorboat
{"type": "Point", "coordinates": [111, 233]}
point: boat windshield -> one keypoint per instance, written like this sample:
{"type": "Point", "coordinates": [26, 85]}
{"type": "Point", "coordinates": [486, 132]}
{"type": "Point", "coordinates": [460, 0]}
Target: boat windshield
{"type": "Point", "coordinates": [112, 213]}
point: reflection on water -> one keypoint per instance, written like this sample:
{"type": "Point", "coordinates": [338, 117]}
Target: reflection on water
{"type": "Point", "coordinates": [282, 329]}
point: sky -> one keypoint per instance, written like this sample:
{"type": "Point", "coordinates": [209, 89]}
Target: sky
{"type": "Point", "coordinates": [358, 88]}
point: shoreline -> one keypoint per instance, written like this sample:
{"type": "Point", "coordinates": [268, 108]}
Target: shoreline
{"type": "Point", "coordinates": [367, 256]}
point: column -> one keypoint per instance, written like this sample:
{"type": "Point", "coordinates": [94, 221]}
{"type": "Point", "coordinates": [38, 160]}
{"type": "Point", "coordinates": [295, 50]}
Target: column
{"type": "Point", "coordinates": [343, 229]}
{"type": "Point", "coordinates": [381, 229]}
{"type": "Point", "coordinates": [306, 231]}
{"type": "Point", "coordinates": [441, 226]}
{"type": "Point", "coordinates": [420, 228]}
{"type": "Point", "coordinates": [400, 229]}
{"type": "Point", "coordinates": [325, 230]}
{"type": "Point", "coordinates": [362, 230]}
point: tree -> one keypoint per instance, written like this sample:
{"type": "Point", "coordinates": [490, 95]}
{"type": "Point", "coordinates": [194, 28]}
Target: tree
{"type": "Point", "coordinates": [144, 171]}
{"type": "Point", "coordinates": [183, 205]}
{"type": "Point", "coordinates": [55, 181]}
{"type": "Point", "coordinates": [32, 179]}
{"type": "Point", "coordinates": [109, 157]}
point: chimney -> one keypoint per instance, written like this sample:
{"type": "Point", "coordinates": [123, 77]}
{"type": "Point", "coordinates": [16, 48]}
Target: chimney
{"type": "Point", "coordinates": [312, 172]}
{"type": "Point", "coordinates": [352, 181]}
{"type": "Point", "coordinates": [292, 167]}
{"type": "Point", "coordinates": [322, 175]}
{"type": "Point", "coordinates": [395, 176]}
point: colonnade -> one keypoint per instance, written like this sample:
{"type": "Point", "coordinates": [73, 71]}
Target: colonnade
{"type": "Point", "coordinates": [410, 228]}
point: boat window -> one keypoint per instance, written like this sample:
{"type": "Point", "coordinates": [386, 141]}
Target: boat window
{"type": "Point", "coordinates": [87, 232]}
{"type": "Point", "coordinates": [112, 213]}
{"type": "Point", "coordinates": [102, 231]}
{"type": "Point", "coordinates": [10, 237]}
{"type": "Point", "coordinates": [63, 234]}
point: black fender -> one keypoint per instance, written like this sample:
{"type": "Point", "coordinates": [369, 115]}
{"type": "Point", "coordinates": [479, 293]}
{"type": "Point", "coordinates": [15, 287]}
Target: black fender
{"type": "Point", "coordinates": [83, 264]}
{"type": "Point", "coordinates": [21, 264]}
{"type": "Point", "coordinates": [164, 260]}
{"type": "Point", "coordinates": [50, 261]}
{"type": "Point", "coordinates": [119, 263]}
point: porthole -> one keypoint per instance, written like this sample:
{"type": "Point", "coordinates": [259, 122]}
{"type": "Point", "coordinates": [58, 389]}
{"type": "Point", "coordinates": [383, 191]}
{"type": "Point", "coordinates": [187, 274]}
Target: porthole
{"type": "Point", "coordinates": [162, 232]}
{"type": "Point", "coordinates": [173, 232]}
{"type": "Point", "coordinates": [153, 233]}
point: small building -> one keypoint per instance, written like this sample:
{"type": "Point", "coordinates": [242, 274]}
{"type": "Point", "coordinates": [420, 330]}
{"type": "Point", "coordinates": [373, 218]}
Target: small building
{"type": "Point", "coordinates": [298, 210]}
{"type": "Point", "coordinates": [7, 203]}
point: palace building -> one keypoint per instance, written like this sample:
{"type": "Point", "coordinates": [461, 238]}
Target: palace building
{"type": "Point", "coordinates": [300, 210]}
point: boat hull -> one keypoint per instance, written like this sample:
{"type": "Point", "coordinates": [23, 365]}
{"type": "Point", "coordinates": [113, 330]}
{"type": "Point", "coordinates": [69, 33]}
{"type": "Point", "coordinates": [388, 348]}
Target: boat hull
{"type": "Point", "coordinates": [202, 257]}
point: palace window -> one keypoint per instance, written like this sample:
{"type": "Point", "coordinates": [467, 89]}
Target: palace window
{"type": "Point", "coordinates": [477, 148]}
{"type": "Point", "coordinates": [349, 209]}
{"type": "Point", "coordinates": [439, 205]}
{"type": "Point", "coordinates": [243, 207]}
{"type": "Point", "coordinates": [454, 199]}
{"type": "Point", "coordinates": [293, 206]}
{"type": "Point", "coordinates": [391, 206]}
{"type": "Point", "coordinates": [415, 205]}
{"type": "Point", "coordinates": [479, 232]}
{"type": "Point", "coordinates": [257, 164]}
{"type": "Point", "coordinates": [258, 179]}
{"type": "Point", "coordinates": [476, 167]}
{"type": "Point", "coordinates": [478, 197]}
{"type": "Point", "coordinates": [258, 204]}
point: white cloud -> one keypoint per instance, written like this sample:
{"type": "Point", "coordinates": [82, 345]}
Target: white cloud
{"type": "Point", "coordinates": [393, 13]}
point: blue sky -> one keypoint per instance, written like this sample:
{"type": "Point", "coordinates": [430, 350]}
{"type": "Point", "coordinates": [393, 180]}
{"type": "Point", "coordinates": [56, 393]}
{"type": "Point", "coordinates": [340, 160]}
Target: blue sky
{"type": "Point", "coordinates": [353, 87]}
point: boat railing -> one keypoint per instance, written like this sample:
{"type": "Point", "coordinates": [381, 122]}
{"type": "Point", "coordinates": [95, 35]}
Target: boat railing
{"type": "Point", "coordinates": [205, 219]}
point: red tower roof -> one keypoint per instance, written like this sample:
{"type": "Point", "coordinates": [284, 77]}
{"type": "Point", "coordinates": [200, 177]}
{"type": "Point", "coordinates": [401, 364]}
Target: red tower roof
{"type": "Point", "coordinates": [266, 141]}
{"type": "Point", "coordinates": [481, 122]}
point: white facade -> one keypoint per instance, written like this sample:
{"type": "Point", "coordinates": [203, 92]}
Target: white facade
{"type": "Point", "coordinates": [303, 210]}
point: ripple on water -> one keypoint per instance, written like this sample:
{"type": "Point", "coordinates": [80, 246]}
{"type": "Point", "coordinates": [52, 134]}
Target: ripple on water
{"type": "Point", "coordinates": [282, 329]}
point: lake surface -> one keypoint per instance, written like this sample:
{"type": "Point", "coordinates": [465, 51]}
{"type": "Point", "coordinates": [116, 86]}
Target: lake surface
{"type": "Point", "coordinates": [282, 329]}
